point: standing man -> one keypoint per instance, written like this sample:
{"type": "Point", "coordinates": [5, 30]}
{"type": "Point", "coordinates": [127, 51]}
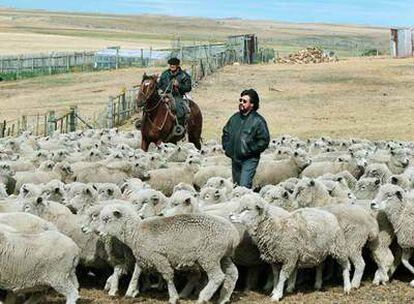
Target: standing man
{"type": "Point", "coordinates": [176, 83]}
{"type": "Point", "coordinates": [245, 137]}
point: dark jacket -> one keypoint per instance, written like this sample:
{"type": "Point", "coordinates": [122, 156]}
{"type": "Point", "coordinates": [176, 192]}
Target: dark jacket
{"type": "Point", "coordinates": [245, 136]}
{"type": "Point", "coordinates": [183, 79]}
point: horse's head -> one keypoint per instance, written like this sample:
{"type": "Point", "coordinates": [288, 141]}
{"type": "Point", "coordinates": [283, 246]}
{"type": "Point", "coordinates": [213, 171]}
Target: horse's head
{"type": "Point", "coordinates": [147, 89]}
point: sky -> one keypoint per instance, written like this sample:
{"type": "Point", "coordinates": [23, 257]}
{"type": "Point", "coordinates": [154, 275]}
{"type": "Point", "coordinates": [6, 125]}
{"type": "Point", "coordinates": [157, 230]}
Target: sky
{"type": "Point", "coordinates": [366, 12]}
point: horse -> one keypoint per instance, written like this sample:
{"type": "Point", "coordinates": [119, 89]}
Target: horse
{"type": "Point", "coordinates": [158, 120]}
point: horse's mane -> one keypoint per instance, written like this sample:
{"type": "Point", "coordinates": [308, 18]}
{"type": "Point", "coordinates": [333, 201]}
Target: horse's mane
{"type": "Point", "coordinates": [145, 77]}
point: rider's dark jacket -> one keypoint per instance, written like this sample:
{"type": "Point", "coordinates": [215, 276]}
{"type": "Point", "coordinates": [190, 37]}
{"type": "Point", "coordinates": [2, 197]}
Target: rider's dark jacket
{"type": "Point", "coordinates": [245, 136]}
{"type": "Point", "coordinates": [183, 79]}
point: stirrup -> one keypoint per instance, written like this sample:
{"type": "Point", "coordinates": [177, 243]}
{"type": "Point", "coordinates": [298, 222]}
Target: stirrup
{"type": "Point", "coordinates": [179, 130]}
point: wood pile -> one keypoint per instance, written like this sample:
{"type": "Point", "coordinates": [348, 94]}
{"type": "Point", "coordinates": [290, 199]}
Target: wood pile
{"type": "Point", "coordinates": [308, 55]}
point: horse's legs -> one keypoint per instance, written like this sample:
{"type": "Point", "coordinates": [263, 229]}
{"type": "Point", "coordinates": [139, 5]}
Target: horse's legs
{"type": "Point", "coordinates": [144, 144]}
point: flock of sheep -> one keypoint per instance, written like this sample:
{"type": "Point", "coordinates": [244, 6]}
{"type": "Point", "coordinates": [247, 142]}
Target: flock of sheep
{"type": "Point", "coordinates": [93, 200]}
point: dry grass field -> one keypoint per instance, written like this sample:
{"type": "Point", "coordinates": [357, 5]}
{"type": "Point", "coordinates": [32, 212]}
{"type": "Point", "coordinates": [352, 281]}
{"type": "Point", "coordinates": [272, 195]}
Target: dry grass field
{"type": "Point", "coordinates": [41, 31]}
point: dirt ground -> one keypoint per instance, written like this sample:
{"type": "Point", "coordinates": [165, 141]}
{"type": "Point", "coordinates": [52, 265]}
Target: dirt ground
{"type": "Point", "coordinates": [396, 292]}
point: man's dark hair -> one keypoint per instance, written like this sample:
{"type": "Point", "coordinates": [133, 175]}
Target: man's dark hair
{"type": "Point", "coordinates": [254, 97]}
{"type": "Point", "coordinates": [174, 61]}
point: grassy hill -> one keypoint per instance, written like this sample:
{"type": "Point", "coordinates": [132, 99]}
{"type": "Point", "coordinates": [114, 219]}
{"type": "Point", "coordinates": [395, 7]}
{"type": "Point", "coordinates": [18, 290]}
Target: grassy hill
{"type": "Point", "coordinates": [33, 31]}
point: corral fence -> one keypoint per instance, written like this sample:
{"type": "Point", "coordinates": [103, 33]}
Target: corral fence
{"type": "Point", "coordinates": [28, 65]}
{"type": "Point", "coordinates": [44, 124]}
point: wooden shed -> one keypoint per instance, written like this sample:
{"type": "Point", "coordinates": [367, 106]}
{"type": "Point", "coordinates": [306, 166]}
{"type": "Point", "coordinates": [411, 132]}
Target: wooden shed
{"type": "Point", "coordinates": [402, 42]}
{"type": "Point", "coordinates": [246, 47]}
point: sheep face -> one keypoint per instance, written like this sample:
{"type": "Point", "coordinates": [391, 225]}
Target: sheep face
{"type": "Point", "coordinates": [92, 219]}
{"type": "Point", "coordinates": [389, 196]}
{"type": "Point", "coordinates": [212, 195]}
{"type": "Point", "coordinates": [250, 211]}
{"type": "Point", "coordinates": [35, 205]}
{"type": "Point", "coordinates": [302, 159]}
{"type": "Point", "coordinates": [367, 188]}
{"type": "Point", "coordinates": [112, 220]}
{"type": "Point", "coordinates": [181, 202]}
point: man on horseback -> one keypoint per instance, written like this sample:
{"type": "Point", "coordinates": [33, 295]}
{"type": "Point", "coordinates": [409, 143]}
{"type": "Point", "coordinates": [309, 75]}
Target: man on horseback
{"type": "Point", "coordinates": [174, 84]}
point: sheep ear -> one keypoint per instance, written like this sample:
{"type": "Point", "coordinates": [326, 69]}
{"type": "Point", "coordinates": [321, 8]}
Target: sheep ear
{"type": "Point", "coordinates": [94, 186]}
{"type": "Point", "coordinates": [187, 201]}
{"type": "Point", "coordinates": [377, 181]}
{"type": "Point", "coordinates": [285, 194]}
{"type": "Point", "coordinates": [117, 214]}
{"type": "Point", "coordinates": [296, 153]}
{"type": "Point", "coordinates": [87, 191]}
{"type": "Point", "coordinates": [110, 191]}
{"type": "Point", "coordinates": [221, 182]}
{"type": "Point", "coordinates": [392, 152]}
{"type": "Point", "coordinates": [340, 159]}
{"type": "Point", "coordinates": [260, 209]}
{"type": "Point", "coordinates": [399, 195]}
{"type": "Point", "coordinates": [312, 183]}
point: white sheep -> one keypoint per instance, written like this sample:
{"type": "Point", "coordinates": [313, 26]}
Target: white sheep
{"type": "Point", "coordinates": [302, 239]}
{"type": "Point", "coordinates": [27, 263]}
{"type": "Point", "coordinates": [174, 242]}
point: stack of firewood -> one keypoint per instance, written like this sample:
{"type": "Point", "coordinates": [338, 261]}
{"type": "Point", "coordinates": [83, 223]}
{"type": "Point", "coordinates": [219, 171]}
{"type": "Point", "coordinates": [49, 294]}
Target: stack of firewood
{"type": "Point", "coordinates": [308, 55]}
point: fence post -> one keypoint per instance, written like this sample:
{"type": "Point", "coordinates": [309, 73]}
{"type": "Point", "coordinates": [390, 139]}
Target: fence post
{"type": "Point", "coordinates": [1, 65]}
{"type": "Point", "coordinates": [110, 113]}
{"type": "Point", "coordinates": [3, 129]}
{"type": "Point", "coordinates": [123, 104]}
{"type": "Point", "coordinates": [142, 58]}
{"type": "Point", "coordinates": [24, 123]}
{"type": "Point", "coordinates": [51, 122]}
{"type": "Point", "coordinates": [50, 63]}
{"type": "Point", "coordinates": [72, 118]}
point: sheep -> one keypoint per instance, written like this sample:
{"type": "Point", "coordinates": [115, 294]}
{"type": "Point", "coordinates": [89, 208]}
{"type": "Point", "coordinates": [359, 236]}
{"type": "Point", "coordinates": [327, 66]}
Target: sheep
{"type": "Point", "coordinates": [181, 202]}
{"type": "Point", "coordinates": [220, 183]}
{"type": "Point", "coordinates": [80, 197]}
{"type": "Point", "coordinates": [211, 195]}
{"type": "Point", "coordinates": [133, 184]}
{"type": "Point", "coordinates": [175, 242]}
{"type": "Point", "coordinates": [239, 191]}
{"type": "Point", "coordinates": [61, 171]}
{"type": "Point", "coordinates": [274, 172]}
{"type": "Point", "coordinates": [56, 190]}
{"type": "Point", "coordinates": [311, 193]}
{"type": "Point", "coordinates": [401, 180]}
{"type": "Point", "coordinates": [350, 163]}
{"type": "Point", "coordinates": [367, 188]}
{"type": "Point", "coordinates": [205, 173]}
{"type": "Point", "coordinates": [119, 255]}
{"type": "Point", "coordinates": [185, 186]}
{"type": "Point", "coordinates": [27, 263]}
{"type": "Point", "coordinates": [69, 224]}
{"type": "Point", "coordinates": [392, 200]}
{"type": "Point", "coordinates": [278, 196]}
{"type": "Point", "coordinates": [377, 170]}
{"type": "Point", "coordinates": [359, 227]}
{"type": "Point", "coordinates": [26, 222]}
{"type": "Point", "coordinates": [107, 191]}
{"type": "Point", "coordinates": [165, 179]}
{"type": "Point", "coordinates": [304, 238]}
{"type": "Point", "coordinates": [155, 200]}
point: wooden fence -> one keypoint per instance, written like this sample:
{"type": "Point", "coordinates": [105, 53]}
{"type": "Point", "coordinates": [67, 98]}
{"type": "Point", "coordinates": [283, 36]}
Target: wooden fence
{"type": "Point", "coordinates": [46, 63]}
{"type": "Point", "coordinates": [43, 124]}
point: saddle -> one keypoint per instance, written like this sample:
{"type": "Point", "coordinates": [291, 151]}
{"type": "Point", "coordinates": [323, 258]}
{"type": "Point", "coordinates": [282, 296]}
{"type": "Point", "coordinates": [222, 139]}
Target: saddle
{"type": "Point", "coordinates": [179, 129]}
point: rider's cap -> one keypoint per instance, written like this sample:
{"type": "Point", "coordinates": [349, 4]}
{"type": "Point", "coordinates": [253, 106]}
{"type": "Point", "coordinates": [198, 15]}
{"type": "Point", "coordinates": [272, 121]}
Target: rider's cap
{"type": "Point", "coordinates": [174, 61]}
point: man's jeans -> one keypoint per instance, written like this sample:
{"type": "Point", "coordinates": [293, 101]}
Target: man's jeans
{"type": "Point", "coordinates": [244, 171]}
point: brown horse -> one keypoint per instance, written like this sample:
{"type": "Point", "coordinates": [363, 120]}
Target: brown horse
{"type": "Point", "coordinates": [158, 120]}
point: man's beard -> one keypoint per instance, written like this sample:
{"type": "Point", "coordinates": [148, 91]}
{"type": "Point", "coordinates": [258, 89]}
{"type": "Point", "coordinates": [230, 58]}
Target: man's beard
{"type": "Point", "coordinates": [242, 110]}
